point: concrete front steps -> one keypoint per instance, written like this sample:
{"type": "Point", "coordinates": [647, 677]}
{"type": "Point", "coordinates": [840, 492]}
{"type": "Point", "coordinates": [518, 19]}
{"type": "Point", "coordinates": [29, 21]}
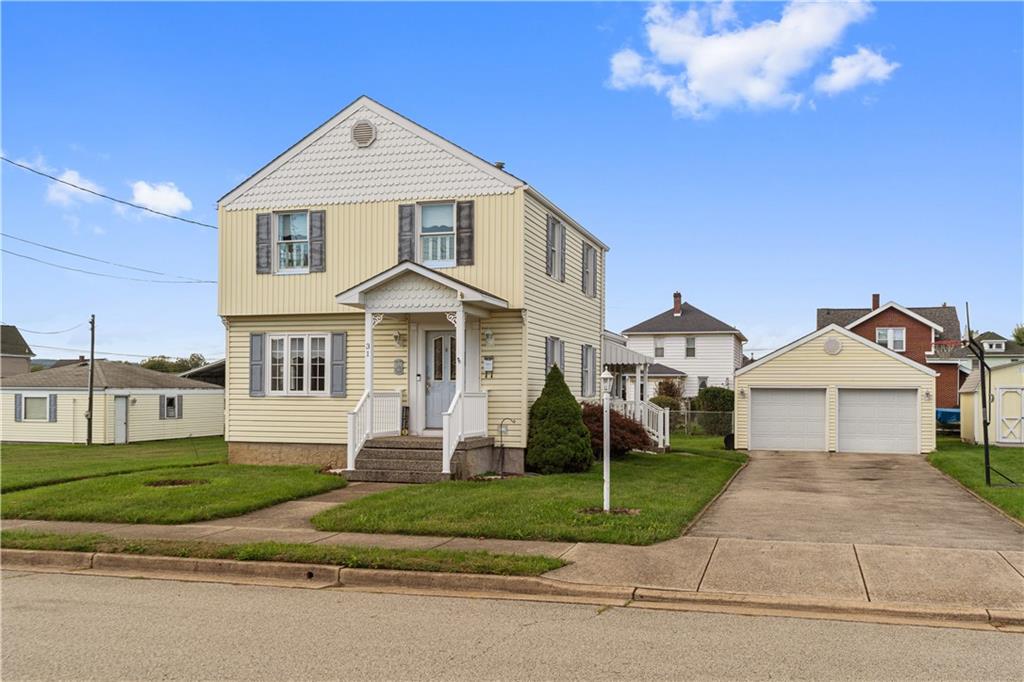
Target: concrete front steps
{"type": "Point", "coordinates": [407, 459]}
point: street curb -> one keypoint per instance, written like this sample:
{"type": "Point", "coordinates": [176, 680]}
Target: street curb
{"type": "Point", "coordinates": [463, 585]}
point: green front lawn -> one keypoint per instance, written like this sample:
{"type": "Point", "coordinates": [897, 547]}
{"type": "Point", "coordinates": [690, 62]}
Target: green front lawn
{"type": "Point", "coordinates": [668, 490]}
{"type": "Point", "coordinates": [448, 561]}
{"type": "Point", "coordinates": [710, 446]}
{"type": "Point", "coordinates": [224, 490]}
{"type": "Point", "coordinates": [966, 463]}
{"type": "Point", "coordinates": [27, 465]}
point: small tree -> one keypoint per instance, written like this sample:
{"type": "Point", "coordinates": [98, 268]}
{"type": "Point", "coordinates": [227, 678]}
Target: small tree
{"type": "Point", "coordinates": [162, 363]}
{"type": "Point", "coordinates": [1018, 334]}
{"type": "Point", "coordinates": [670, 388]}
{"type": "Point", "coordinates": [557, 441]}
{"type": "Point", "coordinates": [716, 405]}
{"type": "Point", "coordinates": [626, 434]}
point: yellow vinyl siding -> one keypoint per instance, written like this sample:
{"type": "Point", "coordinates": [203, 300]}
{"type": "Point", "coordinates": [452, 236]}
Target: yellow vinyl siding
{"type": "Point", "coordinates": [967, 403]}
{"type": "Point", "coordinates": [557, 308]}
{"type": "Point", "coordinates": [309, 419]}
{"type": "Point", "coordinates": [70, 426]}
{"type": "Point", "coordinates": [1002, 376]}
{"type": "Point", "coordinates": [203, 415]}
{"type": "Point", "coordinates": [856, 366]}
{"type": "Point", "coordinates": [362, 240]}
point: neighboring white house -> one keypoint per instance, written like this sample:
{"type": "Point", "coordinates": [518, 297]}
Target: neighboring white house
{"type": "Point", "coordinates": [130, 404]}
{"type": "Point", "coordinates": [704, 349]}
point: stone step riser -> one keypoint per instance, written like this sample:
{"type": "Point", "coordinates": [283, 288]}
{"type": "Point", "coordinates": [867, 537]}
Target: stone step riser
{"type": "Point", "coordinates": [384, 476]}
{"type": "Point", "coordinates": [390, 453]}
{"type": "Point", "coordinates": [364, 463]}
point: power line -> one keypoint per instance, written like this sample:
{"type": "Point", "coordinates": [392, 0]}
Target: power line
{"type": "Point", "coordinates": [103, 274]}
{"type": "Point", "coordinates": [106, 196]}
{"type": "Point", "coordinates": [100, 260]}
{"type": "Point", "coordinates": [86, 350]}
{"type": "Point", "coordinates": [62, 331]}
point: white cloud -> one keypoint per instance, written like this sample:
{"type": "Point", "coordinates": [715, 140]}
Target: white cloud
{"type": "Point", "coordinates": [63, 195]}
{"type": "Point", "coordinates": [703, 61]}
{"type": "Point", "coordinates": [161, 196]}
{"type": "Point", "coordinates": [848, 72]}
{"type": "Point", "coordinates": [38, 162]}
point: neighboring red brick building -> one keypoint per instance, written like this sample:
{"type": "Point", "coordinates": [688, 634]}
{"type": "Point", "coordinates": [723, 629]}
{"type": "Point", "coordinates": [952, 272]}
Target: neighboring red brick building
{"type": "Point", "coordinates": [920, 334]}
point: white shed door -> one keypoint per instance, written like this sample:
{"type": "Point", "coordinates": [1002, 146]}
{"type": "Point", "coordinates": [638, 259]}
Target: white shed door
{"type": "Point", "coordinates": [878, 420]}
{"type": "Point", "coordinates": [787, 419]}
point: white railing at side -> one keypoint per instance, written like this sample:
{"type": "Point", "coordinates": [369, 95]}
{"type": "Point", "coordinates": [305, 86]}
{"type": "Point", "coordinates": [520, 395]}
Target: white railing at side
{"type": "Point", "coordinates": [466, 417]}
{"type": "Point", "coordinates": [653, 418]}
{"type": "Point", "coordinates": [379, 416]}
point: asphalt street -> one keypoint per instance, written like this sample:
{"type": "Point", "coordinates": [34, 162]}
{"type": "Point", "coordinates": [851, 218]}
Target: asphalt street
{"type": "Point", "coordinates": [59, 626]}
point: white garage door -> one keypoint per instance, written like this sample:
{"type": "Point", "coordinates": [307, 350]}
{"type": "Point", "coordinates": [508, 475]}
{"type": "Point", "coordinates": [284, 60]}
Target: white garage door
{"type": "Point", "coordinates": [878, 420]}
{"type": "Point", "coordinates": [787, 419]}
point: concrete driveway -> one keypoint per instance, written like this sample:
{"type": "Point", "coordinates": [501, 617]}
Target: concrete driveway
{"type": "Point", "coordinates": [847, 498]}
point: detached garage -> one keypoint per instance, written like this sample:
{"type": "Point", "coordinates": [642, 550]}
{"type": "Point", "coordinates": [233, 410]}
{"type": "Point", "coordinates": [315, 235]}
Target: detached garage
{"type": "Point", "coordinates": [835, 391]}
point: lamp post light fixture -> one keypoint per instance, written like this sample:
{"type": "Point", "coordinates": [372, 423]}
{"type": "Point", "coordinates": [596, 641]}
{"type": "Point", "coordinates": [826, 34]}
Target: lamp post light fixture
{"type": "Point", "coordinates": [606, 393]}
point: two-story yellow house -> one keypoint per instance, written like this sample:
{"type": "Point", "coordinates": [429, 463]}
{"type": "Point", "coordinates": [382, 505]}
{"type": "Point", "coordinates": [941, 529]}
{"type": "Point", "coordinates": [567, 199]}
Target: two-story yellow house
{"type": "Point", "coordinates": [393, 303]}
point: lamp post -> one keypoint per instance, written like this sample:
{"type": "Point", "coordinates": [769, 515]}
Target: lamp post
{"type": "Point", "coordinates": [606, 388]}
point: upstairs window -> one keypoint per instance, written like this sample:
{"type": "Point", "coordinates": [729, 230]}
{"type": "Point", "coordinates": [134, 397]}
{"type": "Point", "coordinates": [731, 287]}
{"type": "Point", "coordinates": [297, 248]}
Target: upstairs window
{"type": "Point", "coordinates": [893, 338]}
{"type": "Point", "coordinates": [691, 346]}
{"type": "Point", "coordinates": [589, 270]}
{"type": "Point", "coordinates": [997, 346]}
{"type": "Point", "coordinates": [659, 346]}
{"type": "Point", "coordinates": [292, 242]}
{"type": "Point", "coordinates": [437, 235]}
{"type": "Point", "coordinates": [556, 249]}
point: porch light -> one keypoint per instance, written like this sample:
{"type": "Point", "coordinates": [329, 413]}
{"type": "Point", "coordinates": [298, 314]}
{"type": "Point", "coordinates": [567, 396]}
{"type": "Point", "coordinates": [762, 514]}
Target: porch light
{"type": "Point", "coordinates": [488, 337]}
{"type": "Point", "coordinates": [399, 339]}
{"type": "Point", "coordinates": [927, 394]}
{"type": "Point", "coordinates": [743, 393]}
{"type": "Point", "coordinates": [606, 381]}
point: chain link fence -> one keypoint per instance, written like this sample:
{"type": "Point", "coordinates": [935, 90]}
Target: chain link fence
{"type": "Point", "coordinates": [700, 423]}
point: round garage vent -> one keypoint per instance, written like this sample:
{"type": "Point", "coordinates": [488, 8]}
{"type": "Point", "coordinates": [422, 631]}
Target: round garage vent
{"type": "Point", "coordinates": [364, 133]}
{"type": "Point", "coordinates": [833, 346]}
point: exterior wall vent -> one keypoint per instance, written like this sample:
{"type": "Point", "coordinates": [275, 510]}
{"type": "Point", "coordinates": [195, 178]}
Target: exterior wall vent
{"type": "Point", "coordinates": [364, 133]}
{"type": "Point", "coordinates": [833, 346]}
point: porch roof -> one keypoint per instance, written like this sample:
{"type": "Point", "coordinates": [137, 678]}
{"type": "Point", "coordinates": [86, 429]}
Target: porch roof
{"type": "Point", "coordinates": [615, 354]}
{"type": "Point", "coordinates": [464, 293]}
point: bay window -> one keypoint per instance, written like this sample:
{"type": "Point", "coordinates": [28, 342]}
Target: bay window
{"type": "Point", "coordinates": [298, 364]}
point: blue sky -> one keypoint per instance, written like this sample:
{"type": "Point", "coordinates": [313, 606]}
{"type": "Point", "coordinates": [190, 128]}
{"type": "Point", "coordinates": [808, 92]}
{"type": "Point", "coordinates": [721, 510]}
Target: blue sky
{"type": "Point", "coordinates": [716, 154]}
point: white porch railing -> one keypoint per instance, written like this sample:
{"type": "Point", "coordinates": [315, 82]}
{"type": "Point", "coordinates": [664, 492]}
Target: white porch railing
{"type": "Point", "coordinates": [653, 418]}
{"type": "Point", "coordinates": [465, 418]}
{"type": "Point", "coordinates": [385, 411]}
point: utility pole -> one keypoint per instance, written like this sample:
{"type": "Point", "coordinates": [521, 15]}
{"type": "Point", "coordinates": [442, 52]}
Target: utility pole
{"type": "Point", "coordinates": [92, 362]}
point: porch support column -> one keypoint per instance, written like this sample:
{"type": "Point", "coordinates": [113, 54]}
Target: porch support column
{"type": "Point", "coordinates": [369, 322]}
{"type": "Point", "coordinates": [460, 350]}
{"type": "Point", "coordinates": [647, 386]}
{"type": "Point", "coordinates": [636, 391]}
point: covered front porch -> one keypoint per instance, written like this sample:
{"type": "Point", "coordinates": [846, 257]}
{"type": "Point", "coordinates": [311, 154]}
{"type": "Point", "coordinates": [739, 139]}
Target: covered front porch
{"type": "Point", "coordinates": [435, 346]}
{"type": "Point", "coordinates": [630, 372]}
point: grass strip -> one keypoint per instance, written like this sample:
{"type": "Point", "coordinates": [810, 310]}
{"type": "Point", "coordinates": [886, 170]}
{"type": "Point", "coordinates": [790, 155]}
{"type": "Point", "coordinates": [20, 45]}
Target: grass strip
{"type": "Point", "coordinates": [436, 560]}
{"type": "Point", "coordinates": [966, 463]}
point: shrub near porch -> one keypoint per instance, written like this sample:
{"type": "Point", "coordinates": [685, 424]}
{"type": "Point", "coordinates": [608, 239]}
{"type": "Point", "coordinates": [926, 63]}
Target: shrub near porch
{"type": "Point", "coordinates": [669, 491]}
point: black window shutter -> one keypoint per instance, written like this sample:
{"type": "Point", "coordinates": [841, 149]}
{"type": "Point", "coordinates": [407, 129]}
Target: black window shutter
{"type": "Point", "coordinates": [256, 365]}
{"type": "Point", "coordinates": [464, 232]}
{"type": "Point", "coordinates": [583, 370]}
{"type": "Point", "coordinates": [317, 241]}
{"type": "Point", "coordinates": [339, 369]}
{"type": "Point", "coordinates": [179, 406]}
{"type": "Point", "coordinates": [52, 405]}
{"type": "Point", "coordinates": [163, 406]}
{"type": "Point", "coordinates": [406, 232]}
{"type": "Point", "coordinates": [547, 355]}
{"type": "Point", "coordinates": [561, 252]}
{"type": "Point", "coordinates": [17, 407]}
{"type": "Point", "coordinates": [583, 284]}
{"type": "Point", "coordinates": [550, 245]}
{"type": "Point", "coordinates": [263, 244]}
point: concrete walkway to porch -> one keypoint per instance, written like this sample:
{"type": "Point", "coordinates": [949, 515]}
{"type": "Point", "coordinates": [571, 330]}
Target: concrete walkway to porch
{"type": "Point", "coordinates": [870, 573]}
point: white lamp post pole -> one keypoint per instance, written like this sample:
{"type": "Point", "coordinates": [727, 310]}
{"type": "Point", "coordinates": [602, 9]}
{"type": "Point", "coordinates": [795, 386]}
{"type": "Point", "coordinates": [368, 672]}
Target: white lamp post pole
{"type": "Point", "coordinates": [606, 387]}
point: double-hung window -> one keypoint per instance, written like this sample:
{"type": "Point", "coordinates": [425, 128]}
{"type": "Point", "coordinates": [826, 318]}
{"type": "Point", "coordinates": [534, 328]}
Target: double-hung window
{"type": "Point", "coordinates": [589, 270]}
{"type": "Point", "coordinates": [36, 408]}
{"type": "Point", "coordinates": [556, 249]}
{"type": "Point", "coordinates": [691, 346]}
{"type": "Point", "coordinates": [588, 376]}
{"type": "Point", "coordinates": [437, 235]}
{"type": "Point", "coordinates": [298, 364]}
{"type": "Point", "coordinates": [659, 346]}
{"type": "Point", "coordinates": [893, 338]}
{"type": "Point", "coordinates": [170, 407]}
{"type": "Point", "coordinates": [554, 354]}
{"type": "Point", "coordinates": [291, 239]}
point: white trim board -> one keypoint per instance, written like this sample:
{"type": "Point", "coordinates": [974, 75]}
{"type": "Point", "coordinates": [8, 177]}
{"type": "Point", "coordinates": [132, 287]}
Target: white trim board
{"type": "Point", "coordinates": [354, 296]}
{"type": "Point", "coordinates": [897, 306]}
{"type": "Point", "coordinates": [845, 332]}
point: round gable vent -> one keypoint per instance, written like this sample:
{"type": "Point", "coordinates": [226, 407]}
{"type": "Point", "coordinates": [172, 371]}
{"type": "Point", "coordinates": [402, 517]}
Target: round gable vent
{"type": "Point", "coordinates": [833, 346]}
{"type": "Point", "coordinates": [364, 133]}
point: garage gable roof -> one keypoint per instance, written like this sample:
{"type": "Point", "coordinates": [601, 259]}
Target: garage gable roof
{"type": "Point", "coordinates": [844, 332]}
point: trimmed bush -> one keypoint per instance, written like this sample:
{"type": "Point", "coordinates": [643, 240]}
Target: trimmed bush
{"type": "Point", "coordinates": [716, 405]}
{"type": "Point", "coordinates": [668, 401]}
{"type": "Point", "coordinates": [557, 442]}
{"type": "Point", "coordinates": [626, 434]}
{"type": "Point", "coordinates": [670, 388]}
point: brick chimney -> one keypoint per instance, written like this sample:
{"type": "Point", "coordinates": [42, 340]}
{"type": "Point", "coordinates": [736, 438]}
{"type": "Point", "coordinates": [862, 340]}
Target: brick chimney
{"type": "Point", "coordinates": [875, 298]}
{"type": "Point", "coordinates": [677, 304]}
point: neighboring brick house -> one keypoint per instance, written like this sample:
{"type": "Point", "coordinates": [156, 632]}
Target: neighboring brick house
{"type": "Point", "coordinates": [925, 335]}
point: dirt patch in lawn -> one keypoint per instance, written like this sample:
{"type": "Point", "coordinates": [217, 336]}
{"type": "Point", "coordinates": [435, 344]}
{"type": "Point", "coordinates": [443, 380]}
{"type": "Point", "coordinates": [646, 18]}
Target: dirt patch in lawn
{"type": "Point", "coordinates": [175, 482]}
{"type": "Point", "coordinates": [622, 511]}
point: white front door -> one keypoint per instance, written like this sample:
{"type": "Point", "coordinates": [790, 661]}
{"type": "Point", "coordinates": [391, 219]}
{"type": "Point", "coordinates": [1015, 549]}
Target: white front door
{"type": "Point", "coordinates": [1010, 415]}
{"type": "Point", "coordinates": [787, 419]}
{"type": "Point", "coordinates": [440, 375]}
{"type": "Point", "coordinates": [120, 419]}
{"type": "Point", "coordinates": [878, 420]}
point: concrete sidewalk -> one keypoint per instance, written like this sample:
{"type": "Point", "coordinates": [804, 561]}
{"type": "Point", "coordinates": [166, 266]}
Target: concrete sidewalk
{"type": "Point", "coordinates": [870, 573]}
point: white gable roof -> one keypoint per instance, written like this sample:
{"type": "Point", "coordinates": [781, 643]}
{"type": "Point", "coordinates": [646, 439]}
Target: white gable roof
{"type": "Point", "coordinates": [897, 306]}
{"type": "Point", "coordinates": [405, 162]}
{"type": "Point", "coordinates": [412, 287]}
{"type": "Point", "coordinates": [848, 334]}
